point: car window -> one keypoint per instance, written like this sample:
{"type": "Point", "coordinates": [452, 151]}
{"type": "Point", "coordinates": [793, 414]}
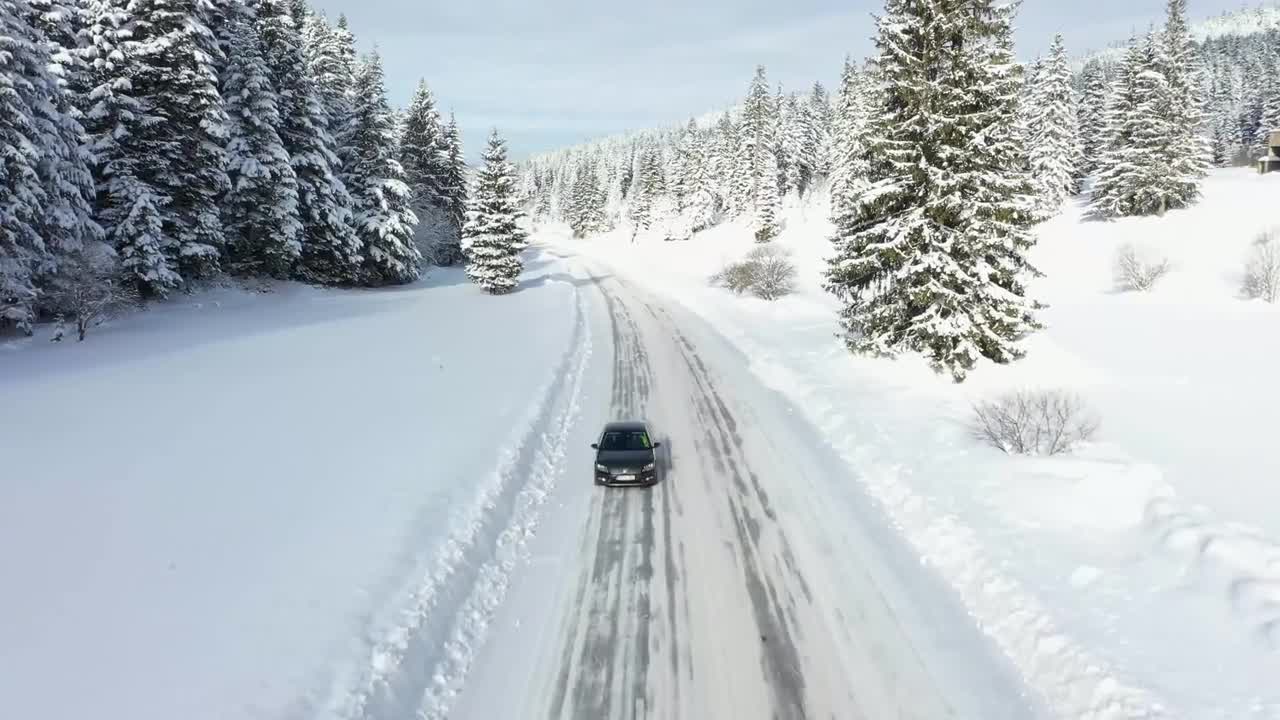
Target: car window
{"type": "Point", "coordinates": [617, 441]}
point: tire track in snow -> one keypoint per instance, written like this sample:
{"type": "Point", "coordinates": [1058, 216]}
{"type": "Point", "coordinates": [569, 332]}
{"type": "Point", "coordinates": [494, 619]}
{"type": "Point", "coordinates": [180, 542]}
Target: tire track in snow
{"type": "Point", "coordinates": [622, 570]}
{"type": "Point", "coordinates": [417, 667]}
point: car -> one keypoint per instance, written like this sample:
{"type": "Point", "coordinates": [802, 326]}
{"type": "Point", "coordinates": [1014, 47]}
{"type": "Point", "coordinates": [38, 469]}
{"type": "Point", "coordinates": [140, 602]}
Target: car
{"type": "Point", "coordinates": [626, 455]}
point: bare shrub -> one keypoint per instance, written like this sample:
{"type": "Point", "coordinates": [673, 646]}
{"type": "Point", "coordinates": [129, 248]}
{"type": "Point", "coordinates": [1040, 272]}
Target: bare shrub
{"type": "Point", "coordinates": [1139, 269]}
{"type": "Point", "coordinates": [1034, 422]}
{"type": "Point", "coordinates": [1262, 270]}
{"type": "Point", "coordinates": [766, 273]}
{"type": "Point", "coordinates": [87, 292]}
{"type": "Point", "coordinates": [775, 274]}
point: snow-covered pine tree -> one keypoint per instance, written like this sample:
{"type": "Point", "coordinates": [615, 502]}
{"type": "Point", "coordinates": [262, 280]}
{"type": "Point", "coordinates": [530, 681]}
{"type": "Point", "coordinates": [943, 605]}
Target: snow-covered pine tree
{"type": "Point", "coordinates": [384, 220]}
{"type": "Point", "coordinates": [493, 238]}
{"type": "Point", "coordinates": [450, 253]}
{"type": "Point", "coordinates": [422, 150]}
{"type": "Point", "coordinates": [181, 145]}
{"type": "Point", "coordinates": [1187, 161]}
{"type": "Point", "coordinates": [129, 204]}
{"type": "Point", "coordinates": [330, 248]}
{"type": "Point", "coordinates": [1092, 115]}
{"type": "Point", "coordinates": [768, 199]}
{"type": "Point", "coordinates": [424, 156]}
{"type": "Point", "coordinates": [683, 171]}
{"type": "Point", "coordinates": [705, 203]}
{"type": "Point", "coordinates": [327, 61]}
{"type": "Point", "coordinates": [1120, 162]}
{"type": "Point", "coordinates": [800, 142]}
{"type": "Point", "coordinates": [724, 161]}
{"type": "Point", "coordinates": [1053, 131]}
{"type": "Point", "coordinates": [819, 114]}
{"type": "Point", "coordinates": [934, 259]}
{"type": "Point", "coordinates": [781, 121]}
{"type": "Point", "coordinates": [643, 189]}
{"type": "Point", "coordinates": [261, 209]}
{"type": "Point", "coordinates": [849, 168]}
{"type": "Point", "coordinates": [755, 131]}
{"type": "Point", "coordinates": [22, 194]}
{"type": "Point", "coordinates": [53, 73]}
{"type": "Point", "coordinates": [586, 214]}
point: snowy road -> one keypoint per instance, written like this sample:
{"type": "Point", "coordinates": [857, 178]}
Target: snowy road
{"type": "Point", "coordinates": [721, 593]}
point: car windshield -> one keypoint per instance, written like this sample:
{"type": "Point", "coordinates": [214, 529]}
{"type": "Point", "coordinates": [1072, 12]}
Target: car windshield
{"type": "Point", "coordinates": [625, 440]}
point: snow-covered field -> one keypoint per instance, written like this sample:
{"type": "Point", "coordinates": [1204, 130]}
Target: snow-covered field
{"type": "Point", "coordinates": [236, 505]}
{"type": "Point", "coordinates": [1138, 578]}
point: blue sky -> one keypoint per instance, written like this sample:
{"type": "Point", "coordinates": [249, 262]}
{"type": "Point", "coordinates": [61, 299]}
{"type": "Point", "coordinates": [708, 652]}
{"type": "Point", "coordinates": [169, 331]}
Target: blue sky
{"type": "Point", "coordinates": [548, 73]}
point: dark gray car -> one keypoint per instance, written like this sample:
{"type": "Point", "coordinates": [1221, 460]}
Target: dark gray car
{"type": "Point", "coordinates": [626, 455]}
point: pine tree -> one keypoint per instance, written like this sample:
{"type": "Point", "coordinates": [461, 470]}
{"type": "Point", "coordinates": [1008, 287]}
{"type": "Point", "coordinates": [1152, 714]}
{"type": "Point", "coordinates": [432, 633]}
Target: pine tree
{"type": "Point", "coordinates": [849, 167]}
{"type": "Point", "coordinates": [1055, 151]}
{"type": "Point", "coordinates": [330, 252]}
{"type": "Point", "coordinates": [493, 238]}
{"type": "Point", "coordinates": [22, 195]}
{"type": "Point", "coordinates": [1092, 115]}
{"type": "Point", "coordinates": [54, 72]}
{"type": "Point", "coordinates": [800, 138]}
{"type": "Point", "coordinates": [586, 206]}
{"type": "Point", "coordinates": [768, 200]}
{"type": "Point", "coordinates": [422, 151]}
{"type": "Point", "coordinates": [724, 160]}
{"type": "Point", "coordinates": [129, 204]}
{"type": "Point", "coordinates": [384, 220]}
{"type": "Point", "coordinates": [818, 120]}
{"type": "Point", "coordinates": [1120, 162]}
{"type": "Point", "coordinates": [934, 259]}
{"type": "Point", "coordinates": [261, 209]}
{"type": "Point", "coordinates": [180, 147]}
{"type": "Point", "coordinates": [1188, 152]}
{"type": "Point", "coordinates": [449, 252]}
{"type": "Point", "coordinates": [327, 59]}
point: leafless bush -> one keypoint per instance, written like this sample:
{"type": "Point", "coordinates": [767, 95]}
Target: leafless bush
{"type": "Point", "coordinates": [1039, 422]}
{"type": "Point", "coordinates": [775, 275]}
{"type": "Point", "coordinates": [88, 292]}
{"type": "Point", "coordinates": [1262, 270]}
{"type": "Point", "coordinates": [1139, 269]}
{"type": "Point", "coordinates": [766, 273]}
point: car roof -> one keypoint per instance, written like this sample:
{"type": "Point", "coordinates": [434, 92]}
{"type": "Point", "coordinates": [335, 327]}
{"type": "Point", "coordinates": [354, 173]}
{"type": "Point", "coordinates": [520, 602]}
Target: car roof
{"type": "Point", "coordinates": [626, 426]}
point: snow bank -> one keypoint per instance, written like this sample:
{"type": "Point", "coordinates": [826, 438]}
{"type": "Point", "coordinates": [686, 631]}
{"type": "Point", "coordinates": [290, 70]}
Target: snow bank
{"type": "Point", "coordinates": [232, 505]}
{"type": "Point", "coordinates": [1140, 578]}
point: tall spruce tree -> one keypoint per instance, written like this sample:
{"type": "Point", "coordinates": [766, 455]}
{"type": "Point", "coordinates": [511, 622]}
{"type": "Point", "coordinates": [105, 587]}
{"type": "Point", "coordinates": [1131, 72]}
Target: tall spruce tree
{"type": "Point", "coordinates": [424, 156]}
{"type": "Point", "coordinates": [449, 252]}
{"type": "Point", "coordinates": [849, 167]}
{"type": "Point", "coordinates": [1092, 115]}
{"type": "Point", "coordinates": [54, 75]}
{"type": "Point", "coordinates": [818, 114]}
{"type": "Point", "coordinates": [1188, 151]}
{"type": "Point", "coordinates": [330, 252]}
{"type": "Point", "coordinates": [934, 258]}
{"type": "Point", "coordinates": [22, 194]}
{"type": "Point", "coordinates": [1120, 162]}
{"type": "Point", "coordinates": [384, 220]}
{"type": "Point", "coordinates": [180, 146]}
{"type": "Point", "coordinates": [261, 209]}
{"type": "Point", "coordinates": [129, 201]}
{"type": "Point", "coordinates": [493, 238]}
{"type": "Point", "coordinates": [1053, 133]}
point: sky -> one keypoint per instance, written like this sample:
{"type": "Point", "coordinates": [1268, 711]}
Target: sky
{"type": "Point", "coordinates": [551, 73]}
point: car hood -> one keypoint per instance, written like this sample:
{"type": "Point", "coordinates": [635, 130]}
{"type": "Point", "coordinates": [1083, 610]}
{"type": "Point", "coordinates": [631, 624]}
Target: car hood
{"type": "Point", "coordinates": [625, 458]}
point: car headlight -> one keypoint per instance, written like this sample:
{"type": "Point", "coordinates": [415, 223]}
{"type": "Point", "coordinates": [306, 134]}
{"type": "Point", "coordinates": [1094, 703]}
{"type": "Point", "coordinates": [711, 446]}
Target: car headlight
{"type": "Point", "coordinates": [648, 467]}
{"type": "Point", "coordinates": [601, 468]}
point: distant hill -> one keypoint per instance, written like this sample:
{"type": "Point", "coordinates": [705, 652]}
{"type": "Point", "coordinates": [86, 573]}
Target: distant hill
{"type": "Point", "coordinates": [1245, 21]}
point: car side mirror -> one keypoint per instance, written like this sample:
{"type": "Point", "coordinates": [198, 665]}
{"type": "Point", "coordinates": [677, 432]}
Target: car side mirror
{"type": "Point", "coordinates": [595, 446]}
{"type": "Point", "coordinates": [657, 445]}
